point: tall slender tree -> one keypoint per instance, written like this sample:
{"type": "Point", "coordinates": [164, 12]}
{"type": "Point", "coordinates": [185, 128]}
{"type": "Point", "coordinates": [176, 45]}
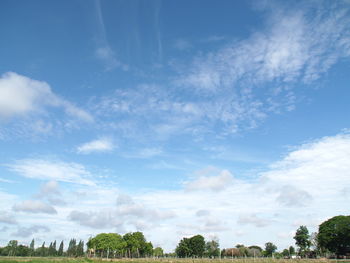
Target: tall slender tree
{"type": "Point", "coordinates": [60, 250]}
{"type": "Point", "coordinates": [31, 248]}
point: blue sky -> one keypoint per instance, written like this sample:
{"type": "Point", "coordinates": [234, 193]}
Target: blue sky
{"type": "Point", "coordinates": [223, 118]}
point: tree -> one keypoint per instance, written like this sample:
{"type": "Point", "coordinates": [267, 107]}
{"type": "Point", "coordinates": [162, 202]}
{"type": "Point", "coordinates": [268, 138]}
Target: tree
{"type": "Point", "coordinates": [42, 251]}
{"type": "Point", "coordinates": [270, 248]}
{"type": "Point", "coordinates": [136, 245]}
{"type": "Point", "coordinates": [31, 248]}
{"type": "Point", "coordinates": [197, 244]}
{"type": "Point", "coordinates": [72, 248]}
{"type": "Point", "coordinates": [285, 253]}
{"type": "Point", "coordinates": [80, 249]}
{"type": "Point", "coordinates": [212, 248]}
{"type": "Point", "coordinates": [302, 240]}
{"type": "Point", "coordinates": [314, 243]}
{"type": "Point", "coordinates": [334, 235]}
{"type": "Point", "coordinates": [12, 247]}
{"type": "Point", "coordinates": [22, 251]}
{"type": "Point", "coordinates": [60, 249]}
{"type": "Point", "coordinates": [254, 252]}
{"type": "Point", "coordinates": [183, 249]}
{"type": "Point", "coordinates": [291, 250]}
{"type": "Point", "coordinates": [158, 252]}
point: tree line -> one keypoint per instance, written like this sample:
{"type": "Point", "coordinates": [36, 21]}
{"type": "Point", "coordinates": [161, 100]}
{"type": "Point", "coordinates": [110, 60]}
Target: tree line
{"type": "Point", "coordinates": [14, 249]}
{"type": "Point", "coordinates": [331, 240]}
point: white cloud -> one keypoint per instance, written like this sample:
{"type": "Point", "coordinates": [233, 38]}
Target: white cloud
{"type": "Point", "coordinates": [124, 214]}
{"type": "Point", "coordinates": [253, 219]}
{"type": "Point", "coordinates": [52, 170]}
{"type": "Point", "coordinates": [214, 183]}
{"type": "Point", "coordinates": [21, 95]}
{"type": "Point", "coordinates": [7, 218]}
{"type": "Point", "coordinates": [215, 207]}
{"type": "Point", "coordinates": [99, 145]}
{"type": "Point", "coordinates": [34, 206]}
{"type": "Point", "coordinates": [29, 231]}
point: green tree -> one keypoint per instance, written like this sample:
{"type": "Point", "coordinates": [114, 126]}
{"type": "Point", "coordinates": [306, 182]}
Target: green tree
{"type": "Point", "coordinates": [285, 253]}
{"type": "Point", "coordinates": [72, 248]}
{"type": "Point", "coordinates": [22, 251]}
{"type": "Point", "coordinates": [270, 248]}
{"type": "Point", "coordinates": [42, 251]}
{"type": "Point", "coordinates": [12, 247]}
{"type": "Point", "coordinates": [191, 247]}
{"type": "Point", "coordinates": [31, 248]}
{"type": "Point", "coordinates": [136, 245]}
{"type": "Point", "coordinates": [183, 249]}
{"type": "Point", "coordinates": [158, 252]}
{"type": "Point", "coordinates": [80, 249]}
{"type": "Point", "coordinates": [302, 240]}
{"type": "Point", "coordinates": [60, 249]}
{"type": "Point", "coordinates": [334, 235]}
{"type": "Point", "coordinates": [197, 243]}
{"type": "Point", "coordinates": [212, 248]}
{"type": "Point", "coordinates": [107, 245]}
{"type": "Point", "coordinates": [291, 250]}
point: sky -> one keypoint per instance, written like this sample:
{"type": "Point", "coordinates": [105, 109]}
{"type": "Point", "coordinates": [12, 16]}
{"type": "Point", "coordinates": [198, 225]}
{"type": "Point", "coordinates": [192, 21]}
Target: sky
{"type": "Point", "coordinates": [228, 119]}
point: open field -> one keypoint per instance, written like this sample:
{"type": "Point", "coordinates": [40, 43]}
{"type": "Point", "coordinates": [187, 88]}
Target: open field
{"type": "Point", "coordinates": [163, 260]}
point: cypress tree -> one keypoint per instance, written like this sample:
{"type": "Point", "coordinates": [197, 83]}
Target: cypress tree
{"type": "Point", "coordinates": [60, 250]}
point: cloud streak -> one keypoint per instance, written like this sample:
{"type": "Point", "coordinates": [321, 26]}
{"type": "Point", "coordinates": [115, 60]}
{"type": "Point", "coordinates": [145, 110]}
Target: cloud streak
{"type": "Point", "coordinates": [52, 170]}
{"type": "Point", "coordinates": [99, 145]}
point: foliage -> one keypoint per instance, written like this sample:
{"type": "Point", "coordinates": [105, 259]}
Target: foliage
{"type": "Point", "coordinates": [212, 248]}
{"type": "Point", "coordinates": [302, 240]}
{"type": "Point", "coordinates": [191, 247]}
{"type": "Point", "coordinates": [158, 252]}
{"type": "Point", "coordinates": [136, 245]}
{"type": "Point", "coordinates": [291, 250]}
{"type": "Point", "coordinates": [334, 235]}
{"type": "Point", "coordinates": [270, 248]}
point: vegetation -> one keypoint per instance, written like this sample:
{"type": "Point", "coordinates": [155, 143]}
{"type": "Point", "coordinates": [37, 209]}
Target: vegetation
{"type": "Point", "coordinates": [332, 240]}
{"type": "Point", "coordinates": [334, 235]}
{"type": "Point", "coordinates": [302, 240]}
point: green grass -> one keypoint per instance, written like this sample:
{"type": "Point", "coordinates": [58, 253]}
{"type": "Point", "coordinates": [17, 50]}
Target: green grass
{"type": "Point", "coordinates": [160, 260]}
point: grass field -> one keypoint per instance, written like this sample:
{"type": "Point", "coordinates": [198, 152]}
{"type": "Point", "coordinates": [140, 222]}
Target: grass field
{"type": "Point", "coordinates": [163, 260]}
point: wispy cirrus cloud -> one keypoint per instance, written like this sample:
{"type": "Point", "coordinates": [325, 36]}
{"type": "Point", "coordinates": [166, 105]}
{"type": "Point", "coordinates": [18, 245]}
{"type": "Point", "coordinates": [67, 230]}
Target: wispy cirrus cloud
{"type": "Point", "coordinates": [52, 170]}
{"type": "Point", "coordinates": [241, 83]}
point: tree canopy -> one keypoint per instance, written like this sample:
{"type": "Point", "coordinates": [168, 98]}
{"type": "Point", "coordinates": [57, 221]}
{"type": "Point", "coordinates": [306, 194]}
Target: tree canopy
{"type": "Point", "coordinates": [191, 247]}
{"type": "Point", "coordinates": [334, 235]}
{"type": "Point", "coordinates": [302, 240]}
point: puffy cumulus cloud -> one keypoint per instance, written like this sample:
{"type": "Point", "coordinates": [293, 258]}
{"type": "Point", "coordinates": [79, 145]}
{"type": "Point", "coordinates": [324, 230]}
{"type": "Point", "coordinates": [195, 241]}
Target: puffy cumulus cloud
{"type": "Point", "coordinates": [213, 183]}
{"type": "Point", "coordinates": [7, 218]}
{"type": "Point", "coordinates": [99, 145]}
{"type": "Point", "coordinates": [34, 206]}
{"type": "Point", "coordinates": [312, 175]}
{"type": "Point", "coordinates": [52, 170]}
{"type": "Point", "coordinates": [99, 220]}
{"type": "Point", "coordinates": [316, 170]}
{"type": "Point", "coordinates": [51, 192]}
{"type": "Point", "coordinates": [126, 213]}
{"type": "Point", "coordinates": [29, 231]}
{"type": "Point", "coordinates": [292, 196]}
{"type": "Point", "coordinates": [49, 188]}
{"type": "Point", "coordinates": [254, 220]}
{"type": "Point", "coordinates": [20, 95]}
